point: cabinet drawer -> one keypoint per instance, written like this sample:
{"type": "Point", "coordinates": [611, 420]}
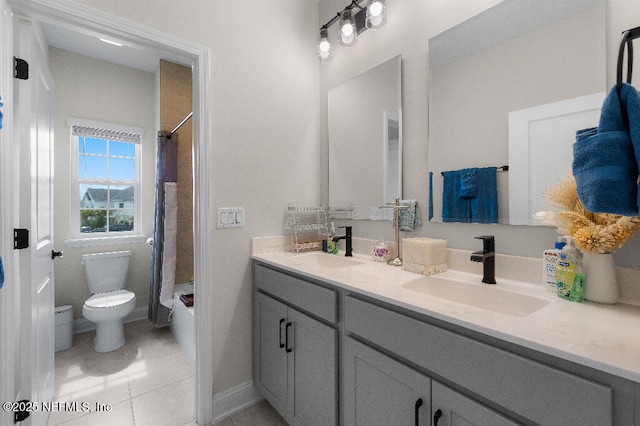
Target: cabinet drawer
{"type": "Point", "coordinates": [317, 300]}
{"type": "Point", "coordinates": [542, 394]}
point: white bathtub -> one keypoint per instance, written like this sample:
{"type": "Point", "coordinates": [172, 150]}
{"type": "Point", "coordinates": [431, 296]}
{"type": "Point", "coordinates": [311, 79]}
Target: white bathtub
{"type": "Point", "coordinates": [183, 324]}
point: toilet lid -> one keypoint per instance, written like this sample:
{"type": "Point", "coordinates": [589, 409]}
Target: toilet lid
{"type": "Point", "coordinates": [110, 298]}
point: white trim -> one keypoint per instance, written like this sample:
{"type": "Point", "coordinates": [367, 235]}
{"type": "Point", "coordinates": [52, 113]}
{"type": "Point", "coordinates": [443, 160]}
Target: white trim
{"type": "Point", "coordinates": [83, 18]}
{"type": "Point", "coordinates": [235, 399]}
{"type": "Point", "coordinates": [105, 241]}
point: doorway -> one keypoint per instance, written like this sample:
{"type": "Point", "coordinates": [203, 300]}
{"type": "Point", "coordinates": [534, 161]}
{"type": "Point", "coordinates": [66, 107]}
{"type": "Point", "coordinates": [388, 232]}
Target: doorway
{"type": "Point", "coordinates": [89, 22]}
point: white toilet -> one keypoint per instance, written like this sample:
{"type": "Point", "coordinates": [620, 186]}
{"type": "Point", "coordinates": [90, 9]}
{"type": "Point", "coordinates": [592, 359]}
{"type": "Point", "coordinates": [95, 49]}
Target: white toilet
{"type": "Point", "coordinates": [110, 304]}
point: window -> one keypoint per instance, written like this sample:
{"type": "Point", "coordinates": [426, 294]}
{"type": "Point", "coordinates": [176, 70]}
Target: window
{"type": "Point", "coordinates": [105, 179]}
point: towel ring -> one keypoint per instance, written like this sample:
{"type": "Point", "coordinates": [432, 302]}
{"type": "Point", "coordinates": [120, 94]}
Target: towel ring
{"type": "Point", "coordinates": [627, 40]}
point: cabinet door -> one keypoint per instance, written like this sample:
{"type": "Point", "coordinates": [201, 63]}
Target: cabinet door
{"type": "Point", "coordinates": [272, 319]}
{"type": "Point", "coordinates": [451, 408]}
{"type": "Point", "coordinates": [379, 390]}
{"type": "Point", "coordinates": [312, 371]}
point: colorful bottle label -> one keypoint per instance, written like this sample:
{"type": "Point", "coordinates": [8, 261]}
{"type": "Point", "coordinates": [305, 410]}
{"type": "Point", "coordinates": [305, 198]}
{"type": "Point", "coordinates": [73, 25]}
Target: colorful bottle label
{"type": "Point", "coordinates": [570, 283]}
{"type": "Point", "coordinates": [550, 260]}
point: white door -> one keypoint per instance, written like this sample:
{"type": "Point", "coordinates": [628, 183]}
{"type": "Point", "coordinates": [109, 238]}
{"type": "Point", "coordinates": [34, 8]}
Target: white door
{"type": "Point", "coordinates": [34, 130]}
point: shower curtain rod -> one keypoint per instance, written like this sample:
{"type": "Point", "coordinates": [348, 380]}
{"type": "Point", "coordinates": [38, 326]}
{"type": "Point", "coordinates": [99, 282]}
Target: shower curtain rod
{"type": "Point", "coordinates": [182, 123]}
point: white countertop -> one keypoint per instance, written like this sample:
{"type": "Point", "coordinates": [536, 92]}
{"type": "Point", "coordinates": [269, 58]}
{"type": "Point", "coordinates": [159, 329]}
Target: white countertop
{"type": "Point", "coordinates": [604, 337]}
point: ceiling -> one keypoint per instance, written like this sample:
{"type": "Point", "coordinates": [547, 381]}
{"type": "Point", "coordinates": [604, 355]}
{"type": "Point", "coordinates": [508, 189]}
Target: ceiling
{"type": "Point", "coordinates": [89, 44]}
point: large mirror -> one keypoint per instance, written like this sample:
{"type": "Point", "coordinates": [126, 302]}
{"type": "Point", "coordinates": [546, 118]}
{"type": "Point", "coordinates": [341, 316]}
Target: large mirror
{"type": "Point", "coordinates": [365, 142]}
{"type": "Point", "coordinates": [514, 58]}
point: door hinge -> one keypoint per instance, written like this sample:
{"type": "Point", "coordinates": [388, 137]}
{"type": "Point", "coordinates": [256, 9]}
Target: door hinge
{"type": "Point", "coordinates": [20, 239]}
{"type": "Point", "coordinates": [22, 413]}
{"type": "Point", "coordinates": [20, 69]}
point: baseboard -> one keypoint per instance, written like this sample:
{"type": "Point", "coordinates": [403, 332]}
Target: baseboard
{"type": "Point", "coordinates": [83, 325]}
{"type": "Point", "coordinates": [235, 399]}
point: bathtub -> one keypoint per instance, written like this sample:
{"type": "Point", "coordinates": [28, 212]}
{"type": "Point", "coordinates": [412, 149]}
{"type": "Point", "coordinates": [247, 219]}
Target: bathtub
{"type": "Point", "coordinates": [183, 324]}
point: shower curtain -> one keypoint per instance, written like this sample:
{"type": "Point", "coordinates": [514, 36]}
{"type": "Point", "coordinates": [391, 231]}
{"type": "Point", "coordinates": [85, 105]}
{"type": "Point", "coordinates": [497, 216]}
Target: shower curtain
{"type": "Point", "coordinates": [163, 258]}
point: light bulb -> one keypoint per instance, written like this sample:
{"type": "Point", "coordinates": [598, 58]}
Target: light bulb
{"type": "Point", "coordinates": [324, 46]}
{"type": "Point", "coordinates": [347, 30]}
{"type": "Point", "coordinates": [375, 8]}
{"type": "Point", "coordinates": [376, 14]}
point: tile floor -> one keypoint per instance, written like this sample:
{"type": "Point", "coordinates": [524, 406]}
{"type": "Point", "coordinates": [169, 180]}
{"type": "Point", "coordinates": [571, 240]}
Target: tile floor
{"type": "Point", "coordinates": [146, 382]}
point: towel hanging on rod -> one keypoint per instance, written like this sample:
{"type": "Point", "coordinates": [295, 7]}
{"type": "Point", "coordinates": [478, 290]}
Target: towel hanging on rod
{"type": "Point", "coordinates": [504, 168]}
{"type": "Point", "coordinates": [181, 123]}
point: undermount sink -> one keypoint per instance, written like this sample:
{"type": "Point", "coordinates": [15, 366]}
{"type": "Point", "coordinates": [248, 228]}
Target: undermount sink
{"type": "Point", "coordinates": [481, 296]}
{"type": "Point", "coordinates": [325, 260]}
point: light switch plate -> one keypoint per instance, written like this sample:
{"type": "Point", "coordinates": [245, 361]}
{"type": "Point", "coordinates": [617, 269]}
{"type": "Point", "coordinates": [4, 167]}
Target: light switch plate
{"type": "Point", "coordinates": [230, 217]}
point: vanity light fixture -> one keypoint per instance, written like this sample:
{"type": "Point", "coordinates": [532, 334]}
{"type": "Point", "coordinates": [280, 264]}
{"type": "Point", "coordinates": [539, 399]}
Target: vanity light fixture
{"type": "Point", "coordinates": [351, 24]}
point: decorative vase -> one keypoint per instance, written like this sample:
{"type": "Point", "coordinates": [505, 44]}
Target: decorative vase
{"type": "Point", "coordinates": [601, 284]}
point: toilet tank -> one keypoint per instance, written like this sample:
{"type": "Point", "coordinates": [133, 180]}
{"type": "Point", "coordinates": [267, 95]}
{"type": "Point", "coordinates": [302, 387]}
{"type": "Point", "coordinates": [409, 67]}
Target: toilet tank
{"type": "Point", "coordinates": [106, 271]}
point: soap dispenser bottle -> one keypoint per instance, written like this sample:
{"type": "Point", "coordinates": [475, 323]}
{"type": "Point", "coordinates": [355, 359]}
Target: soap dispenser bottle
{"type": "Point", "coordinates": [570, 274]}
{"type": "Point", "coordinates": [549, 263]}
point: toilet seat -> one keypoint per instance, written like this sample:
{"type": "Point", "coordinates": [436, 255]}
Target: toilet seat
{"type": "Point", "coordinates": [109, 299]}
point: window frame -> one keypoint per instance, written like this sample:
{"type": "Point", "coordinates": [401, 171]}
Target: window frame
{"type": "Point", "coordinates": [119, 133]}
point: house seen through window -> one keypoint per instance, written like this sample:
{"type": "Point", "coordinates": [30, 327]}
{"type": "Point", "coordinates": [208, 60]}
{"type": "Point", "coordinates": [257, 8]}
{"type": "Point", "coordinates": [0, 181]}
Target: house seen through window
{"type": "Point", "coordinates": [106, 182]}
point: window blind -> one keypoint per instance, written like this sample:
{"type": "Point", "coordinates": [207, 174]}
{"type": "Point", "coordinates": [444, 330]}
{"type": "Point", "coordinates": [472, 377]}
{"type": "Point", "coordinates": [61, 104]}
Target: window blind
{"type": "Point", "coordinates": [109, 131]}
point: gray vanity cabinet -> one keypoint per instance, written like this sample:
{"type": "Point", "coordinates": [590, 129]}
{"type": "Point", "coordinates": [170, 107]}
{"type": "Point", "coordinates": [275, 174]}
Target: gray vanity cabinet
{"type": "Point", "coordinates": [272, 320]}
{"type": "Point", "coordinates": [379, 390]}
{"type": "Point", "coordinates": [508, 382]}
{"type": "Point", "coordinates": [453, 408]}
{"type": "Point", "coordinates": [295, 356]}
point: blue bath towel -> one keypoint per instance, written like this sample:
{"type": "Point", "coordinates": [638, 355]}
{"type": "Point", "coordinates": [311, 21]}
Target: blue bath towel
{"type": "Point", "coordinates": [484, 206]}
{"type": "Point", "coordinates": [454, 208]}
{"type": "Point", "coordinates": [605, 159]}
{"type": "Point", "coordinates": [468, 187]}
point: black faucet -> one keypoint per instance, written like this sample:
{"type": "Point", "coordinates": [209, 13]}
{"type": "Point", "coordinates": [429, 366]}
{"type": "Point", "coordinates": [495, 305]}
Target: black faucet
{"type": "Point", "coordinates": [347, 238]}
{"type": "Point", "coordinates": [488, 258]}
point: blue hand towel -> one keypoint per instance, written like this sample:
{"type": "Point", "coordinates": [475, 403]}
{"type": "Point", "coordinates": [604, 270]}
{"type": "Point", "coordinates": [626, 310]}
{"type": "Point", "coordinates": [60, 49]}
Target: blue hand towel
{"type": "Point", "coordinates": [484, 206]}
{"type": "Point", "coordinates": [604, 162]}
{"type": "Point", "coordinates": [409, 217]}
{"type": "Point", "coordinates": [454, 208]}
{"type": "Point", "coordinates": [468, 186]}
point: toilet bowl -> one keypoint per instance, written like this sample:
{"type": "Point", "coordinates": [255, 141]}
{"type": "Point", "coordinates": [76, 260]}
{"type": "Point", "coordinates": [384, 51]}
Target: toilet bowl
{"type": "Point", "coordinates": [110, 303]}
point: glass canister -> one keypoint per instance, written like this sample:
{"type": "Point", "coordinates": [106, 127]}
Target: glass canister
{"type": "Point", "coordinates": [380, 251]}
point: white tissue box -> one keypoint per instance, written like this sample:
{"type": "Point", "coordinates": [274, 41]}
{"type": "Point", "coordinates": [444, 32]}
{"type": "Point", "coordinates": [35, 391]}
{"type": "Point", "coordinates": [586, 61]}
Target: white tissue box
{"type": "Point", "coordinates": [426, 256]}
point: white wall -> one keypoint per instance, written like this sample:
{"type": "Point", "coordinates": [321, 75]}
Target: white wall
{"type": "Point", "coordinates": [96, 90]}
{"type": "Point", "coordinates": [264, 136]}
{"type": "Point", "coordinates": [410, 25]}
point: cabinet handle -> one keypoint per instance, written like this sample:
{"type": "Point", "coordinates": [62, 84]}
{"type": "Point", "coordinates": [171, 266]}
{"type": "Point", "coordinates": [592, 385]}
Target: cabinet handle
{"type": "Point", "coordinates": [280, 333]}
{"type": "Point", "coordinates": [436, 417]}
{"type": "Point", "coordinates": [417, 411]}
{"type": "Point", "coordinates": [286, 336]}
